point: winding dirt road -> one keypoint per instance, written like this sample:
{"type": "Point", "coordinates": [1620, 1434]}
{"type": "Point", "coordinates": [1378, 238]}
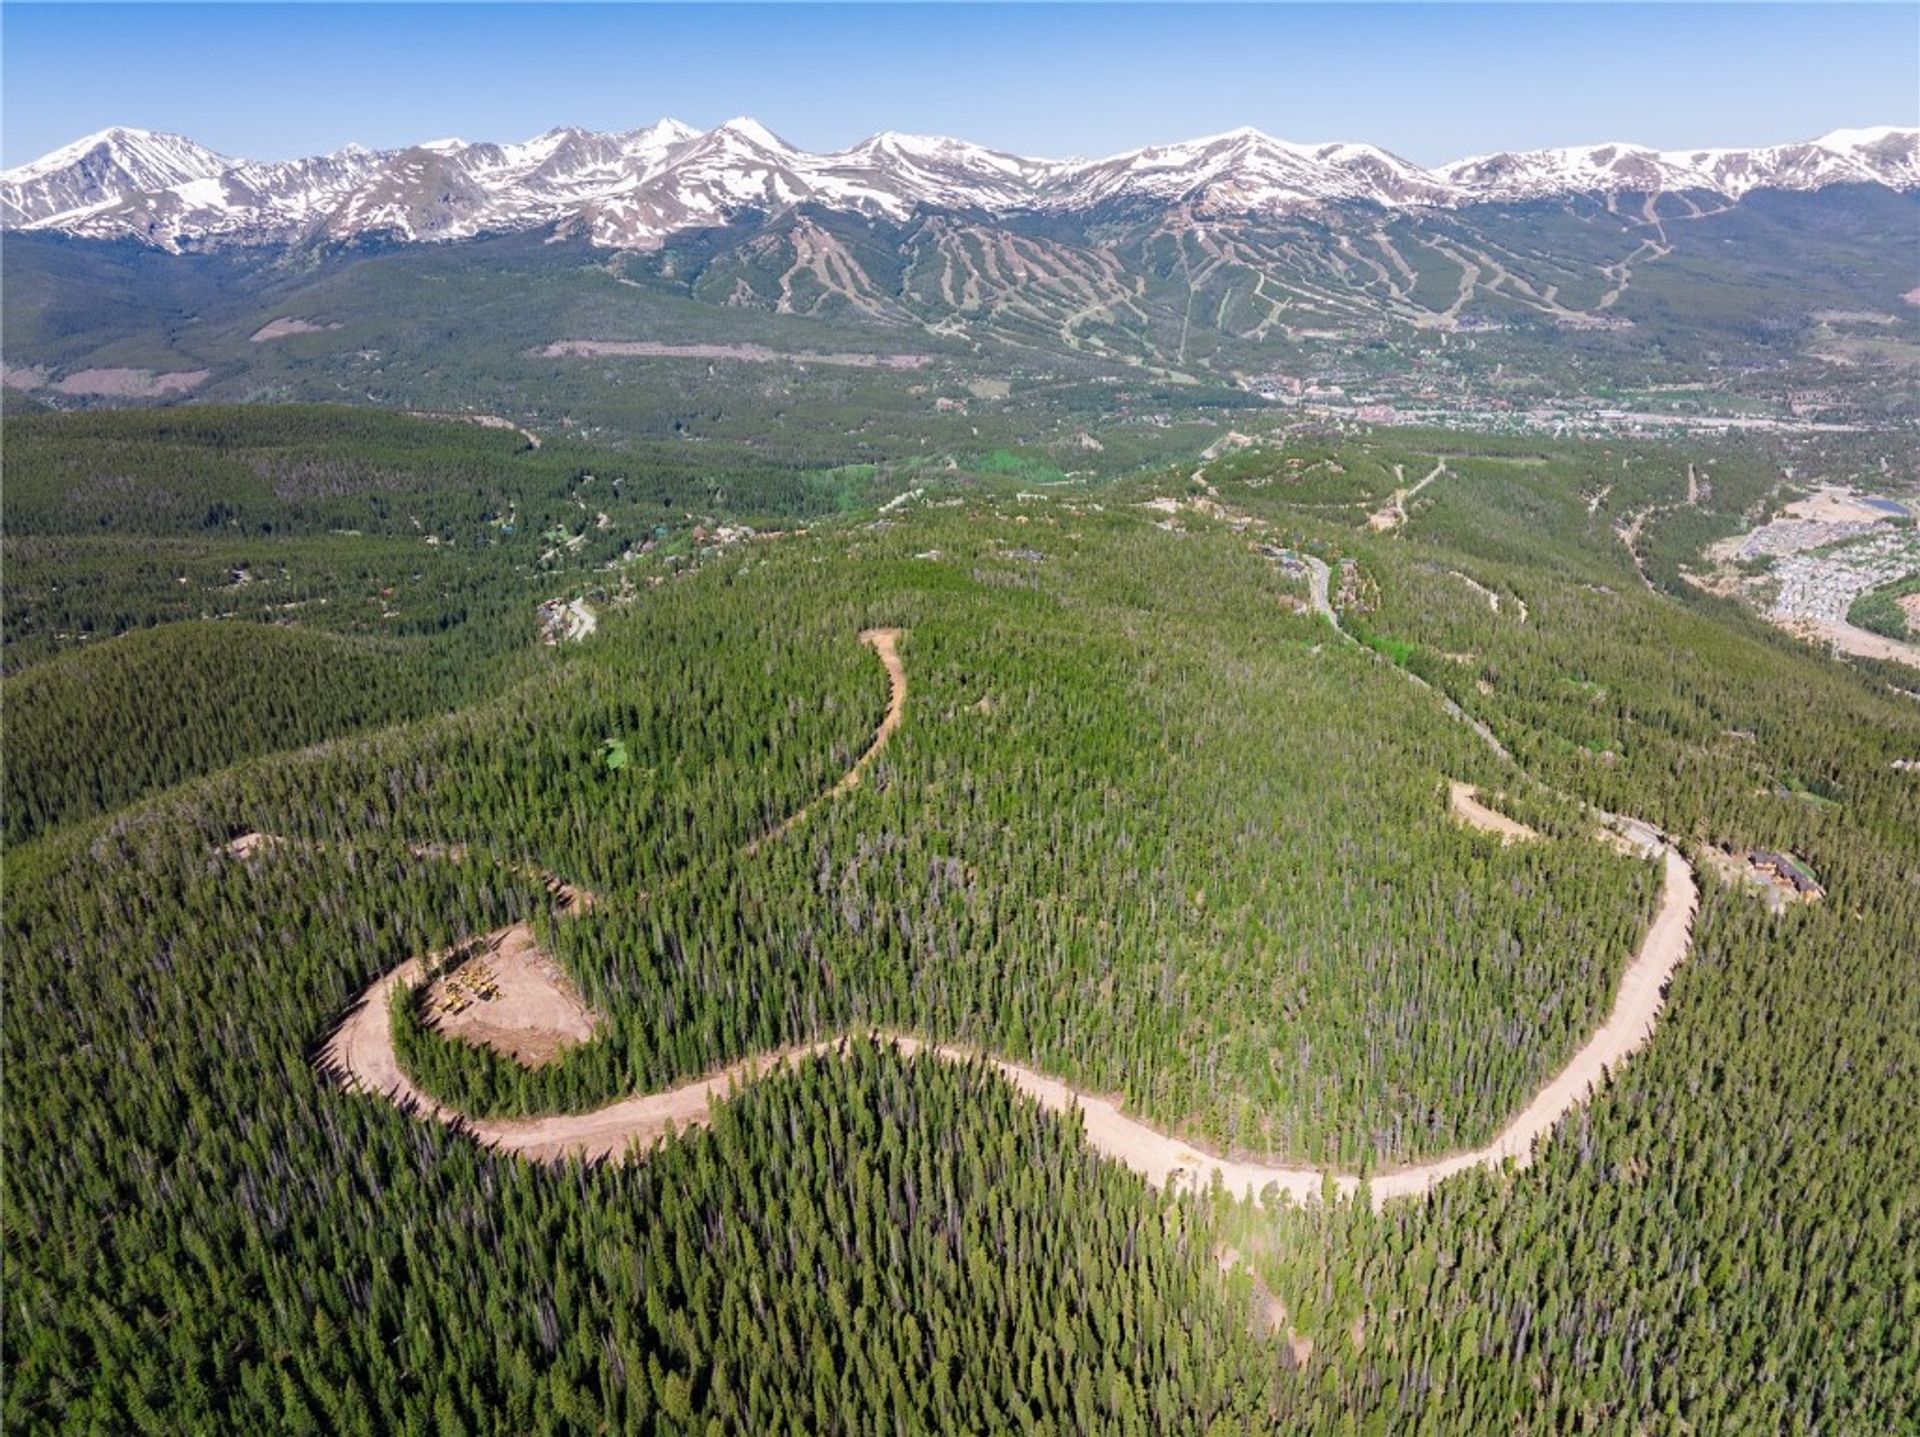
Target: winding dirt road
{"type": "Point", "coordinates": [485, 421]}
{"type": "Point", "coordinates": [361, 1053]}
{"type": "Point", "coordinates": [1464, 799]}
{"type": "Point", "coordinates": [885, 643]}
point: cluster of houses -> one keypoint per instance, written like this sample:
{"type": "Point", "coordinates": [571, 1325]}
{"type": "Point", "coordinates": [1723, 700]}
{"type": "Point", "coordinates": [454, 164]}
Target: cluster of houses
{"type": "Point", "coordinates": [1787, 872]}
{"type": "Point", "coordinates": [564, 619]}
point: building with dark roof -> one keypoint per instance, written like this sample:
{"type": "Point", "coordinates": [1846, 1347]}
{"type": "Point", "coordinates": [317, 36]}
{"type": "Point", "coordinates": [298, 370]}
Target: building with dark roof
{"type": "Point", "coordinates": [1789, 872]}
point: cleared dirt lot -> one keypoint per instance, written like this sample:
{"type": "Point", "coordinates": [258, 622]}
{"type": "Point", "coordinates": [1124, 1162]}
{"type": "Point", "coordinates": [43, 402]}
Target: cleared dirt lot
{"type": "Point", "coordinates": [285, 325]}
{"type": "Point", "coordinates": [511, 997]}
{"type": "Point", "coordinates": [1736, 872]}
{"type": "Point", "coordinates": [1833, 505]}
{"type": "Point", "coordinates": [1861, 642]}
{"type": "Point", "coordinates": [131, 383]}
{"type": "Point", "coordinates": [751, 353]}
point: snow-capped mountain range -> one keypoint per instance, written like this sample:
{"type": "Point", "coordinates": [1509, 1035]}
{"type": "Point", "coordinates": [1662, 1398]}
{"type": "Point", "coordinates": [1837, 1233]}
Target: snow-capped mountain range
{"type": "Point", "coordinates": [632, 190]}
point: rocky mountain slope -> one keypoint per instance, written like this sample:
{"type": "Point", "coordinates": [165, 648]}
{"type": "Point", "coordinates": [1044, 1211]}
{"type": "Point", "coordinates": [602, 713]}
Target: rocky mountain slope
{"type": "Point", "coordinates": [634, 190]}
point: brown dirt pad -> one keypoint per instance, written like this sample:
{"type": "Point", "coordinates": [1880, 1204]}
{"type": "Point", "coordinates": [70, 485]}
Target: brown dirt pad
{"type": "Point", "coordinates": [534, 1013]}
{"type": "Point", "coordinates": [285, 325]}
{"type": "Point", "coordinates": [751, 353]}
{"type": "Point", "coordinates": [248, 844]}
{"type": "Point", "coordinates": [131, 383]}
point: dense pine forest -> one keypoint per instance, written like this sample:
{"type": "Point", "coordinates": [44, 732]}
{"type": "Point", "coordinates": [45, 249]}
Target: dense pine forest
{"type": "Point", "coordinates": [1151, 825]}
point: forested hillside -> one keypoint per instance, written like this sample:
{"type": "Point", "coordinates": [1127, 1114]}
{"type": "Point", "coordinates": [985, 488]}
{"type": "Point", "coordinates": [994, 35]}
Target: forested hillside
{"type": "Point", "coordinates": [1689, 1250]}
{"type": "Point", "coordinates": [97, 727]}
{"type": "Point", "coordinates": [216, 583]}
{"type": "Point", "coordinates": [1150, 825]}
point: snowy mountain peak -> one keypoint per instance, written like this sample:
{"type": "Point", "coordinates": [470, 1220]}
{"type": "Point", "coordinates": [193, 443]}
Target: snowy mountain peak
{"type": "Point", "coordinates": [99, 169]}
{"type": "Point", "coordinates": [896, 142]}
{"type": "Point", "coordinates": [633, 189]}
{"type": "Point", "coordinates": [744, 127]}
{"type": "Point", "coordinates": [1844, 140]}
{"type": "Point", "coordinates": [148, 151]}
{"type": "Point", "coordinates": [664, 132]}
{"type": "Point", "coordinates": [1242, 135]}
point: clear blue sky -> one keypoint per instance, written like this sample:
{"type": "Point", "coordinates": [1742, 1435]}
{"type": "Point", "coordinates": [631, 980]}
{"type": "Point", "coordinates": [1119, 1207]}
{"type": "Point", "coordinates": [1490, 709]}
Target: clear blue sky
{"type": "Point", "coordinates": [1431, 81]}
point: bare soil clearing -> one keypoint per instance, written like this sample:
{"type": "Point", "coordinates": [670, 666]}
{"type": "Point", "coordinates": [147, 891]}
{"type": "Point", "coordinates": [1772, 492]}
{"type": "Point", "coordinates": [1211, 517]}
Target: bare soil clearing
{"type": "Point", "coordinates": [1860, 642]}
{"type": "Point", "coordinates": [511, 997]}
{"type": "Point", "coordinates": [533, 1016]}
{"type": "Point", "coordinates": [1736, 872]}
{"type": "Point", "coordinates": [1834, 505]}
{"type": "Point", "coordinates": [250, 843]}
{"type": "Point", "coordinates": [285, 325]}
{"type": "Point", "coordinates": [131, 383]}
{"type": "Point", "coordinates": [752, 353]}
{"type": "Point", "coordinates": [1464, 799]}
